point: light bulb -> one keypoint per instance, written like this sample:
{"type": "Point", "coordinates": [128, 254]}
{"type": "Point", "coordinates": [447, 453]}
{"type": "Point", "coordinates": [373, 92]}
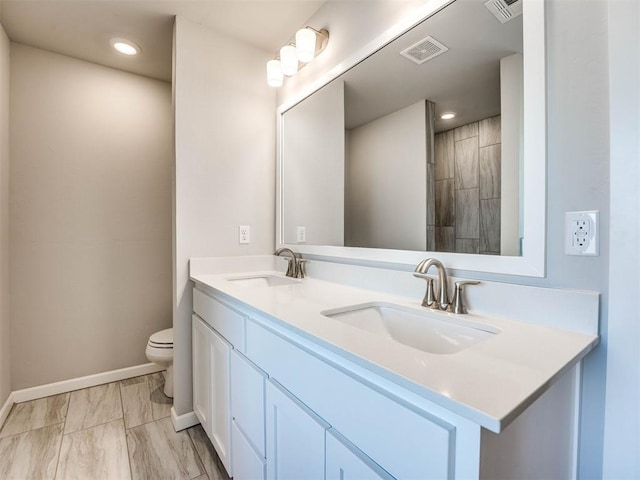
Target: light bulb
{"type": "Point", "coordinates": [288, 60]}
{"type": "Point", "coordinates": [124, 46]}
{"type": "Point", "coordinates": [305, 44]}
{"type": "Point", "coordinates": [274, 73]}
{"type": "Point", "coordinates": [447, 116]}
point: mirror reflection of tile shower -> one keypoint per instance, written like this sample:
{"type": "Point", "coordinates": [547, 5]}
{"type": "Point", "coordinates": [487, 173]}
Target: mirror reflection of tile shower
{"type": "Point", "coordinates": [467, 187]}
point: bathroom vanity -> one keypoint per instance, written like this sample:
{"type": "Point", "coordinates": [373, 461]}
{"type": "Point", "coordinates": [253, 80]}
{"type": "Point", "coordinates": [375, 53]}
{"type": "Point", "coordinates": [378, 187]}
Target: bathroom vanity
{"type": "Point", "coordinates": [298, 379]}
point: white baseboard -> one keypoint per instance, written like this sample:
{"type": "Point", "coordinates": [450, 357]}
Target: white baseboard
{"type": "Point", "coordinates": [6, 408]}
{"type": "Point", "coordinates": [65, 386]}
{"type": "Point", "coordinates": [180, 422]}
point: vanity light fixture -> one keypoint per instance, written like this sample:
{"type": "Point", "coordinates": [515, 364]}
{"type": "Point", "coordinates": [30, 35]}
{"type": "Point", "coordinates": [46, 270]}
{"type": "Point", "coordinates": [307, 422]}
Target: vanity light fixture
{"type": "Point", "coordinates": [448, 115]}
{"type": "Point", "coordinates": [124, 46]}
{"type": "Point", "coordinates": [275, 77]}
{"type": "Point", "coordinates": [309, 43]}
{"type": "Point", "coordinates": [288, 60]}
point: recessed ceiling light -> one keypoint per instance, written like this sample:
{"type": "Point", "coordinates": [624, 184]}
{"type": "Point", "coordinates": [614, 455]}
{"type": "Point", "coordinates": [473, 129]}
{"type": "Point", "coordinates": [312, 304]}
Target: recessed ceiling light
{"type": "Point", "coordinates": [124, 46]}
{"type": "Point", "coordinates": [447, 115]}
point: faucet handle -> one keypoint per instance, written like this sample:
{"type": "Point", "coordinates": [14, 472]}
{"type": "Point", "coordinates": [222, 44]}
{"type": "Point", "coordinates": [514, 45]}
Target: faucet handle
{"type": "Point", "coordinates": [301, 267]}
{"type": "Point", "coordinates": [429, 299]}
{"type": "Point", "coordinates": [291, 268]}
{"type": "Point", "coordinates": [458, 305]}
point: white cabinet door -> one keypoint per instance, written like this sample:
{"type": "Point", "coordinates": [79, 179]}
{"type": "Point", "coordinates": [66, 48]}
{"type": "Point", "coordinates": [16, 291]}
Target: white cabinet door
{"type": "Point", "coordinates": [201, 353]}
{"type": "Point", "coordinates": [295, 438]}
{"type": "Point", "coordinates": [247, 463]}
{"type": "Point", "coordinates": [212, 405]}
{"type": "Point", "coordinates": [346, 462]}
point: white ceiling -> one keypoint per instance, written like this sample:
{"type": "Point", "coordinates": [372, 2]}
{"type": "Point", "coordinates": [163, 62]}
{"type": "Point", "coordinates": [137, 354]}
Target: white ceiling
{"type": "Point", "coordinates": [82, 28]}
{"type": "Point", "coordinates": [465, 79]}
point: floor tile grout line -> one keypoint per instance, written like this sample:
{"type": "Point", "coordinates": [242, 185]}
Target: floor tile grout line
{"type": "Point", "coordinates": [66, 414]}
{"type": "Point", "coordinates": [32, 430]}
{"type": "Point", "coordinates": [147, 423]}
{"type": "Point", "coordinates": [55, 473]}
{"type": "Point", "coordinates": [124, 427]}
{"type": "Point", "coordinates": [195, 449]}
{"type": "Point", "coordinates": [96, 425]}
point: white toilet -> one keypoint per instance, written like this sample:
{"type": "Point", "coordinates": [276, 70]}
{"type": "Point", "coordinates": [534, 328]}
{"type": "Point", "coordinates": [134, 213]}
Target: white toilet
{"type": "Point", "coordinates": [160, 351]}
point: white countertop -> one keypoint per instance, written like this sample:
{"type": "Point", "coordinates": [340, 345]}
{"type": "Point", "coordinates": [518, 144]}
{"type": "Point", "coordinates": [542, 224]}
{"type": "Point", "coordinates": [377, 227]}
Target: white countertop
{"type": "Point", "coordinates": [490, 382]}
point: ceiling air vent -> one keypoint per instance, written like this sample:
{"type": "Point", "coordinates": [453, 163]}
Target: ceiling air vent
{"type": "Point", "coordinates": [424, 50]}
{"type": "Point", "coordinates": [505, 10]}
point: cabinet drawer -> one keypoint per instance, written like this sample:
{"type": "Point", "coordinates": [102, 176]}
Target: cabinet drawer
{"type": "Point", "coordinates": [225, 320]}
{"type": "Point", "coordinates": [247, 399]}
{"type": "Point", "coordinates": [247, 463]}
{"type": "Point", "coordinates": [403, 442]}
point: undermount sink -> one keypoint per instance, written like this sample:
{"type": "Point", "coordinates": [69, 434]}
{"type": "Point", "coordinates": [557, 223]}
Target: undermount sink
{"type": "Point", "coordinates": [263, 280]}
{"type": "Point", "coordinates": [432, 332]}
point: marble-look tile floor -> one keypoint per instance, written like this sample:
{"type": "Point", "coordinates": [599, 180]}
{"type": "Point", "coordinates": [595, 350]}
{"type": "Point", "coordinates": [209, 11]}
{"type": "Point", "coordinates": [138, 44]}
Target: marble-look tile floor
{"type": "Point", "coordinates": [118, 431]}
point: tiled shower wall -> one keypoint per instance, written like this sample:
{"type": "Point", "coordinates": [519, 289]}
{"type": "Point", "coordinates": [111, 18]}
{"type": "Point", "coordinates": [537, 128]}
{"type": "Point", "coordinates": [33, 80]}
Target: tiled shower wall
{"type": "Point", "coordinates": [467, 188]}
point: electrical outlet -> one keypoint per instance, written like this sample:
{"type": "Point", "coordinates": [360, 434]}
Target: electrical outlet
{"type": "Point", "coordinates": [581, 233]}
{"type": "Point", "coordinates": [244, 234]}
{"type": "Point", "coordinates": [302, 235]}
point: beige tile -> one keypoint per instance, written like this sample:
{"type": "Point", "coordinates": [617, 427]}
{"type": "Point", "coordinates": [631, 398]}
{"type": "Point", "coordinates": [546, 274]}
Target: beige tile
{"type": "Point", "coordinates": [465, 131]}
{"type": "Point", "coordinates": [93, 406]}
{"type": "Point", "coordinates": [466, 158]}
{"type": "Point", "coordinates": [212, 464]}
{"type": "Point", "coordinates": [490, 165]}
{"type": "Point", "coordinates": [467, 211]}
{"type": "Point", "coordinates": [135, 380]}
{"type": "Point", "coordinates": [35, 414]}
{"type": "Point", "coordinates": [489, 131]}
{"type": "Point", "coordinates": [160, 403]}
{"type": "Point", "coordinates": [95, 453]}
{"type": "Point", "coordinates": [31, 455]}
{"type": "Point", "coordinates": [136, 403]}
{"type": "Point", "coordinates": [158, 452]}
{"type": "Point", "coordinates": [444, 154]}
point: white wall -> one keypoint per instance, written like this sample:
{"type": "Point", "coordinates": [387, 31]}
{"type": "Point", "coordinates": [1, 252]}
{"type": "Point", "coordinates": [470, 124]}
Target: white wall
{"type": "Point", "coordinates": [351, 25]}
{"type": "Point", "coordinates": [387, 172]}
{"type": "Point", "coordinates": [90, 216]}
{"type": "Point", "coordinates": [5, 332]}
{"type": "Point", "coordinates": [225, 166]}
{"type": "Point", "coordinates": [314, 161]}
{"type": "Point", "coordinates": [622, 419]}
{"type": "Point", "coordinates": [578, 155]}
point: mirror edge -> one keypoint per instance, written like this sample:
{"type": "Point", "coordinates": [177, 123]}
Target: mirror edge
{"type": "Point", "coordinates": [532, 262]}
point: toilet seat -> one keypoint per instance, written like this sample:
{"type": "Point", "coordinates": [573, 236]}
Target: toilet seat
{"type": "Point", "coordinates": [162, 339]}
{"type": "Point", "coordinates": [160, 351]}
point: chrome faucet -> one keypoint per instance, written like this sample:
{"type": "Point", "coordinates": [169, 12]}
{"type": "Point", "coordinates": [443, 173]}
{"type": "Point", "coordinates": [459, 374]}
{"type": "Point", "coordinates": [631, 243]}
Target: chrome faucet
{"type": "Point", "coordinates": [295, 267]}
{"type": "Point", "coordinates": [429, 300]}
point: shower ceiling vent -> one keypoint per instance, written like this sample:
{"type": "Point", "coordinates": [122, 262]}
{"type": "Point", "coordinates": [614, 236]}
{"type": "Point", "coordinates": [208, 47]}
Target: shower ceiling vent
{"type": "Point", "coordinates": [505, 10]}
{"type": "Point", "coordinates": [424, 50]}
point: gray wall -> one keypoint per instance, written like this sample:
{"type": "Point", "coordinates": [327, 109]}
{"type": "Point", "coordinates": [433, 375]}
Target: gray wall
{"type": "Point", "coordinates": [5, 332]}
{"type": "Point", "coordinates": [578, 157]}
{"type": "Point", "coordinates": [622, 427]}
{"type": "Point", "coordinates": [225, 166]}
{"type": "Point", "coordinates": [90, 216]}
{"type": "Point", "coordinates": [387, 181]}
{"type": "Point", "coordinates": [314, 159]}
